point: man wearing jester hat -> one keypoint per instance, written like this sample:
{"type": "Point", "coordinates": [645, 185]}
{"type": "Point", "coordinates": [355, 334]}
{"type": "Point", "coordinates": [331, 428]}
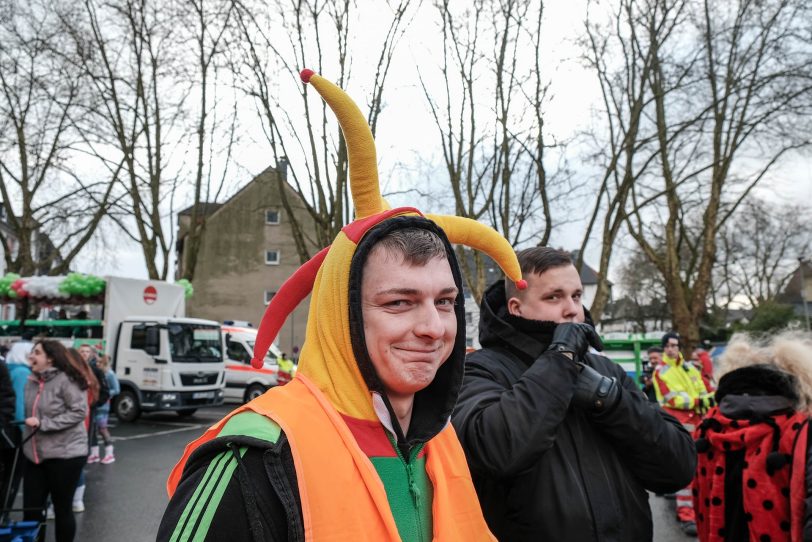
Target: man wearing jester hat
{"type": "Point", "coordinates": [358, 446]}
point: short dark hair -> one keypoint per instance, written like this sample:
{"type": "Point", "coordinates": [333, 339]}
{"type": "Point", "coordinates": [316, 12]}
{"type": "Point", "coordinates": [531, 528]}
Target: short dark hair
{"type": "Point", "coordinates": [671, 335]}
{"type": "Point", "coordinates": [654, 349]}
{"type": "Point", "coordinates": [417, 246]}
{"type": "Point", "coordinates": [537, 260]}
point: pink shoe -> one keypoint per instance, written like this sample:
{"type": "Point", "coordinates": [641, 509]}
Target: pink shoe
{"type": "Point", "coordinates": [94, 455]}
{"type": "Point", "coordinates": [108, 455]}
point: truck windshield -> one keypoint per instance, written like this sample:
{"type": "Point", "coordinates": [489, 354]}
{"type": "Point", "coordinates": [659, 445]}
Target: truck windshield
{"type": "Point", "coordinates": [270, 356]}
{"type": "Point", "coordinates": [195, 343]}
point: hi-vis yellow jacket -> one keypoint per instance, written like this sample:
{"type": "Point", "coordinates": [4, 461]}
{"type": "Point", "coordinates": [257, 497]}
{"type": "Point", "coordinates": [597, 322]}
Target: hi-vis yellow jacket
{"type": "Point", "coordinates": [680, 389]}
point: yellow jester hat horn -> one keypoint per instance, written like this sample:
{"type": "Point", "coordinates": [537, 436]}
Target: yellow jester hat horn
{"type": "Point", "coordinates": [370, 209]}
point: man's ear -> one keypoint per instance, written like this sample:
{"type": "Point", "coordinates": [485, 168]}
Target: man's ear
{"type": "Point", "coordinates": [514, 306]}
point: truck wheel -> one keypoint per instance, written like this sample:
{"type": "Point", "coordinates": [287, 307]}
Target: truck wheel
{"type": "Point", "coordinates": [126, 406]}
{"type": "Point", "coordinates": [186, 412]}
{"type": "Point", "coordinates": [253, 391]}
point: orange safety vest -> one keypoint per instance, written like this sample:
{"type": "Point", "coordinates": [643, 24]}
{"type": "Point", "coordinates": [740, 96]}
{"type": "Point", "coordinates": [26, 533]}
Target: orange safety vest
{"type": "Point", "coordinates": [343, 498]}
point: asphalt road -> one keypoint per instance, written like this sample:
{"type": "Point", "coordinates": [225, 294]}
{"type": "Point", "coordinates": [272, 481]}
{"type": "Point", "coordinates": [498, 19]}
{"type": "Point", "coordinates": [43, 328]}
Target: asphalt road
{"type": "Point", "coordinates": [125, 500]}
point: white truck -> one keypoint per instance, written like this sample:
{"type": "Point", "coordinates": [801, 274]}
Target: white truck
{"type": "Point", "coordinates": [243, 382]}
{"type": "Point", "coordinates": [163, 360]}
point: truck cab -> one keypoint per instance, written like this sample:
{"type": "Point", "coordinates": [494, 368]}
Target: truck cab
{"type": "Point", "coordinates": [243, 382]}
{"type": "Point", "coordinates": [167, 363]}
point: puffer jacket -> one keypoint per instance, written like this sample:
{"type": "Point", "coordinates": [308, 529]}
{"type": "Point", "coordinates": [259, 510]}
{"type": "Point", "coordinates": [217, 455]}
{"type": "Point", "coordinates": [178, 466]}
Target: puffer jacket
{"type": "Point", "coordinates": [61, 407]}
{"type": "Point", "coordinates": [546, 470]}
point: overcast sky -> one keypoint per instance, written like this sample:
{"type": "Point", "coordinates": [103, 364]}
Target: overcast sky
{"type": "Point", "coordinates": [407, 135]}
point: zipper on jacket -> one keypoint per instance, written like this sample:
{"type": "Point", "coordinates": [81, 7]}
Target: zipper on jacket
{"type": "Point", "coordinates": [414, 491]}
{"type": "Point", "coordinates": [40, 386]}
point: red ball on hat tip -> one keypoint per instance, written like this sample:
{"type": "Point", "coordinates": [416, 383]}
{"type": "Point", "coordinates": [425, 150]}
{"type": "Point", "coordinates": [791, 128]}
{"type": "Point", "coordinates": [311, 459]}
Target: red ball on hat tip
{"type": "Point", "coordinates": [306, 74]}
{"type": "Point", "coordinates": [521, 284]}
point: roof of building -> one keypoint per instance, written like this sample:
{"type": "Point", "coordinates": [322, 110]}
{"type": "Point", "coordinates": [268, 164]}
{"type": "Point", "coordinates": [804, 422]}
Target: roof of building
{"type": "Point", "coordinates": [206, 208]}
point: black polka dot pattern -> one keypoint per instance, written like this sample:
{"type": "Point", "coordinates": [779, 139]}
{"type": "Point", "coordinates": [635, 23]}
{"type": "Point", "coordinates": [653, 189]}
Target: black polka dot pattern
{"type": "Point", "coordinates": [768, 504]}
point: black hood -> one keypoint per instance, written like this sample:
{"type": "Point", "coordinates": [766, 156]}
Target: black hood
{"type": "Point", "coordinates": [434, 404]}
{"type": "Point", "coordinates": [528, 339]}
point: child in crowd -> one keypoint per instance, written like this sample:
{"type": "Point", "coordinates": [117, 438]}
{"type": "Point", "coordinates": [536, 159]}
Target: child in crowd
{"type": "Point", "coordinates": [103, 411]}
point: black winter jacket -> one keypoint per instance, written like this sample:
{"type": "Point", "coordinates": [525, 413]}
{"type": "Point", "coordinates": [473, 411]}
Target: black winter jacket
{"type": "Point", "coordinates": [545, 470]}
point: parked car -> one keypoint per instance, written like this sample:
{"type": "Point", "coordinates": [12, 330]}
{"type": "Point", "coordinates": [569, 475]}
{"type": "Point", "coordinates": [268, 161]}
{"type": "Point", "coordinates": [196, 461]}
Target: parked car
{"type": "Point", "coordinates": [243, 382]}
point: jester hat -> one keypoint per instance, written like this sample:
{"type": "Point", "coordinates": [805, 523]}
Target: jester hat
{"type": "Point", "coordinates": [327, 355]}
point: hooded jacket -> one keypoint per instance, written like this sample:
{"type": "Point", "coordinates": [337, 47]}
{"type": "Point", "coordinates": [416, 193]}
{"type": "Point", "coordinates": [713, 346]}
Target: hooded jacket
{"type": "Point", "coordinates": [545, 470]}
{"type": "Point", "coordinates": [323, 457]}
{"type": "Point", "coordinates": [754, 473]}
{"type": "Point", "coordinates": [61, 406]}
{"type": "Point", "coordinates": [339, 374]}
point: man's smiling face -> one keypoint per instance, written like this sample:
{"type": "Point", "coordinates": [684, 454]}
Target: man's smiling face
{"type": "Point", "coordinates": [409, 321]}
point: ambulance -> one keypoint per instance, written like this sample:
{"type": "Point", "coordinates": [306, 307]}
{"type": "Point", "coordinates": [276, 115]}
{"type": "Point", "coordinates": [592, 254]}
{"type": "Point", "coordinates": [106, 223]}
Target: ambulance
{"type": "Point", "coordinates": [243, 382]}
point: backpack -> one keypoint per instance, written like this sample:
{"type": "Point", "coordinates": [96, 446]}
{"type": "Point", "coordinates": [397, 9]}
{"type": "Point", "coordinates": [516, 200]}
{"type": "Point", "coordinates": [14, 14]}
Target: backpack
{"type": "Point", "coordinates": [104, 388]}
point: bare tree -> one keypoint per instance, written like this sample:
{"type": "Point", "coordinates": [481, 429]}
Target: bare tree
{"type": "Point", "coordinates": [759, 250]}
{"type": "Point", "coordinates": [731, 98]}
{"type": "Point", "coordinates": [489, 117]}
{"type": "Point", "coordinates": [726, 96]}
{"type": "Point", "coordinates": [208, 23]}
{"type": "Point", "coordinates": [51, 207]}
{"type": "Point", "coordinates": [125, 50]}
{"type": "Point", "coordinates": [277, 41]}
{"type": "Point", "coordinates": [621, 49]}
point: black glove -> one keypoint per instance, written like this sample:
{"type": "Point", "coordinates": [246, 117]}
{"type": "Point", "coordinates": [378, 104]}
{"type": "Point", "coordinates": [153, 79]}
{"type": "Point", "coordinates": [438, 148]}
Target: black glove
{"type": "Point", "coordinates": [574, 339]}
{"type": "Point", "coordinates": [593, 391]}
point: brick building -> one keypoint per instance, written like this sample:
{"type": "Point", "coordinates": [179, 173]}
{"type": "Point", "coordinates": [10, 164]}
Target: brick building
{"type": "Point", "coordinates": [247, 252]}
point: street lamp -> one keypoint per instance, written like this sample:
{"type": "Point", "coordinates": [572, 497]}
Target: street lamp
{"type": "Point", "coordinates": [803, 293]}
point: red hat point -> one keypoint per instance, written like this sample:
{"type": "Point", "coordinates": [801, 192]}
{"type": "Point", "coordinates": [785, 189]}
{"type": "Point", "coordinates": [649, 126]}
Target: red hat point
{"type": "Point", "coordinates": [521, 284]}
{"type": "Point", "coordinates": [306, 74]}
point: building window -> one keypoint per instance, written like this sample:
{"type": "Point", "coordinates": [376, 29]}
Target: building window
{"type": "Point", "coordinates": [272, 257]}
{"type": "Point", "coordinates": [272, 216]}
{"type": "Point", "coordinates": [269, 296]}
{"type": "Point", "coordinates": [469, 318]}
{"type": "Point", "coordinates": [469, 342]}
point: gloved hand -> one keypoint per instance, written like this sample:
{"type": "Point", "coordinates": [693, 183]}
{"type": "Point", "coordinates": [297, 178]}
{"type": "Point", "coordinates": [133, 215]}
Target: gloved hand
{"type": "Point", "coordinates": [593, 391]}
{"type": "Point", "coordinates": [574, 339]}
{"type": "Point", "coordinates": [707, 401]}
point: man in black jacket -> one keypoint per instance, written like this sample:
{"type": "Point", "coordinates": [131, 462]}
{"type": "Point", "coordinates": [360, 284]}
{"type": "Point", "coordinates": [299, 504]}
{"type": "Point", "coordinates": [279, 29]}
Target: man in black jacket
{"type": "Point", "coordinates": [561, 443]}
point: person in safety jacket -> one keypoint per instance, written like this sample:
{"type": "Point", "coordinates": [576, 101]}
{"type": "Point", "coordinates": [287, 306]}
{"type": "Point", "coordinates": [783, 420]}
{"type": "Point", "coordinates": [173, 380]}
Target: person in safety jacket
{"type": "Point", "coordinates": [561, 443]}
{"type": "Point", "coordinates": [683, 393]}
{"type": "Point", "coordinates": [754, 469]}
{"type": "Point", "coordinates": [358, 445]}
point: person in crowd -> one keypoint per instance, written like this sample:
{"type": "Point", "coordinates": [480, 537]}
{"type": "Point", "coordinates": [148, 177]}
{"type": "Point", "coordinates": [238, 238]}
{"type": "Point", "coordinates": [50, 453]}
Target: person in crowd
{"type": "Point", "coordinates": [286, 370]}
{"type": "Point", "coordinates": [55, 408]}
{"type": "Point", "coordinates": [682, 392]}
{"type": "Point", "coordinates": [654, 358]}
{"type": "Point", "coordinates": [702, 361]}
{"type": "Point", "coordinates": [358, 445]}
{"type": "Point", "coordinates": [561, 443]}
{"type": "Point", "coordinates": [19, 351]}
{"type": "Point", "coordinates": [8, 438]}
{"type": "Point", "coordinates": [94, 385]}
{"type": "Point", "coordinates": [754, 470]}
{"type": "Point", "coordinates": [88, 355]}
{"type": "Point", "coordinates": [103, 410]}
{"type": "Point", "coordinates": [19, 371]}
